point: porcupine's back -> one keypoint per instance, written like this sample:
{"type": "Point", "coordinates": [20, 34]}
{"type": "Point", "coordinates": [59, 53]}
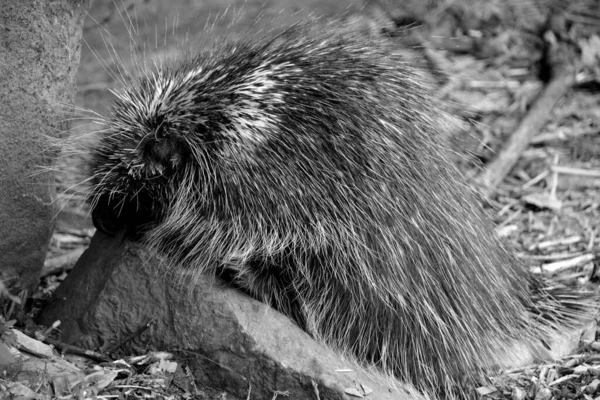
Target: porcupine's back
{"type": "Point", "coordinates": [311, 169]}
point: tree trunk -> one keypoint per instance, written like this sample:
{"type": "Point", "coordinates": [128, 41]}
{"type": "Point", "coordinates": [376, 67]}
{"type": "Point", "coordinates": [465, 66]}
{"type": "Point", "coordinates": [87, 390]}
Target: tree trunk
{"type": "Point", "coordinates": [40, 43]}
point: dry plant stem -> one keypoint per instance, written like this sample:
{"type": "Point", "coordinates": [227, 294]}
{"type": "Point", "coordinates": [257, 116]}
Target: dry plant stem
{"type": "Point", "coordinates": [316, 388]}
{"type": "Point", "coordinates": [558, 266]}
{"type": "Point", "coordinates": [34, 353]}
{"type": "Point", "coordinates": [68, 348]}
{"type": "Point", "coordinates": [575, 171]}
{"type": "Point", "coordinates": [548, 257]}
{"type": "Point", "coordinates": [563, 379]}
{"type": "Point", "coordinates": [531, 124]}
{"type": "Point", "coordinates": [559, 242]}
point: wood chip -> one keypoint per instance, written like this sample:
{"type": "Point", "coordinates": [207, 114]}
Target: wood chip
{"type": "Point", "coordinates": [555, 267]}
{"type": "Point", "coordinates": [353, 392]}
{"type": "Point", "coordinates": [486, 390]}
{"type": "Point", "coordinates": [563, 379]}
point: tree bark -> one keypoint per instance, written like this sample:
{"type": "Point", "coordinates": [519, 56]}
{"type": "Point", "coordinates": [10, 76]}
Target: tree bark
{"type": "Point", "coordinates": [40, 44]}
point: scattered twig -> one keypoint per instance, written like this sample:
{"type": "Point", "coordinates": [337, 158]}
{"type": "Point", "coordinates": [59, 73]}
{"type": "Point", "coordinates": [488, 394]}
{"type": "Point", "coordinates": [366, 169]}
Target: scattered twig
{"type": "Point", "coordinates": [503, 84]}
{"type": "Point", "coordinates": [553, 268]}
{"type": "Point", "coordinates": [556, 242]}
{"type": "Point", "coordinates": [34, 353]}
{"type": "Point", "coordinates": [561, 135]}
{"type": "Point", "coordinates": [316, 389]}
{"type": "Point", "coordinates": [564, 379]}
{"type": "Point", "coordinates": [278, 393]}
{"type": "Point", "coordinates": [575, 171]}
{"type": "Point", "coordinates": [69, 348]}
{"type": "Point", "coordinates": [590, 245]}
{"type": "Point", "coordinates": [554, 179]}
{"type": "Point", "coordinates": [531, 124]}
{"type": "Point", "coordinates": [535, 180]}
{"type": "Point", "coordinates": [49, 330]}
{"type": "Point", "coordinates": [548, 257]}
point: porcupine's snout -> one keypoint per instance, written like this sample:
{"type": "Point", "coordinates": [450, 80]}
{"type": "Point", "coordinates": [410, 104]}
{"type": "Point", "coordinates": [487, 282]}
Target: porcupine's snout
{"type": "Point", "coordinates": [111, 216]}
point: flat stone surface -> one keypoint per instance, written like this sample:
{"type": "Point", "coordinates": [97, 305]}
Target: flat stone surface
{"type": "Point", "coordinates": [230, 341]}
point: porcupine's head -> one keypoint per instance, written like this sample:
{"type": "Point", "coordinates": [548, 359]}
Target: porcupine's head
{"type": "Point", "coordinates": [175, 125]}
{"type": "Point", "coordinates": [145, 142]}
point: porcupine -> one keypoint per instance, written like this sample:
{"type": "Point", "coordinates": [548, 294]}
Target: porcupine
{"type": "Point", "coordinates": [310, 169]}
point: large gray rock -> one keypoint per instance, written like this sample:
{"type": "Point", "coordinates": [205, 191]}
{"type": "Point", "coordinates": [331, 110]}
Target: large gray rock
{"type": "Point", "coordinates": [39, 55]}
{"type": "Point", "coordinates": [230, 341]}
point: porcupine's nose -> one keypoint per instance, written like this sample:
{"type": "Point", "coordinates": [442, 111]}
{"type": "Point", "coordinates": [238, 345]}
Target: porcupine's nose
{"type": "Point", "coordinates": [135, 217]}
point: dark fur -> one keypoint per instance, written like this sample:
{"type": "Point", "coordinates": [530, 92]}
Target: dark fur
{"type": "Point", "coordinates": [311, 168]}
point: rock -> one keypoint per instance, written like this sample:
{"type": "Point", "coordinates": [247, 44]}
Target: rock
{"type": "Point", "coordinates": [230, 341]}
